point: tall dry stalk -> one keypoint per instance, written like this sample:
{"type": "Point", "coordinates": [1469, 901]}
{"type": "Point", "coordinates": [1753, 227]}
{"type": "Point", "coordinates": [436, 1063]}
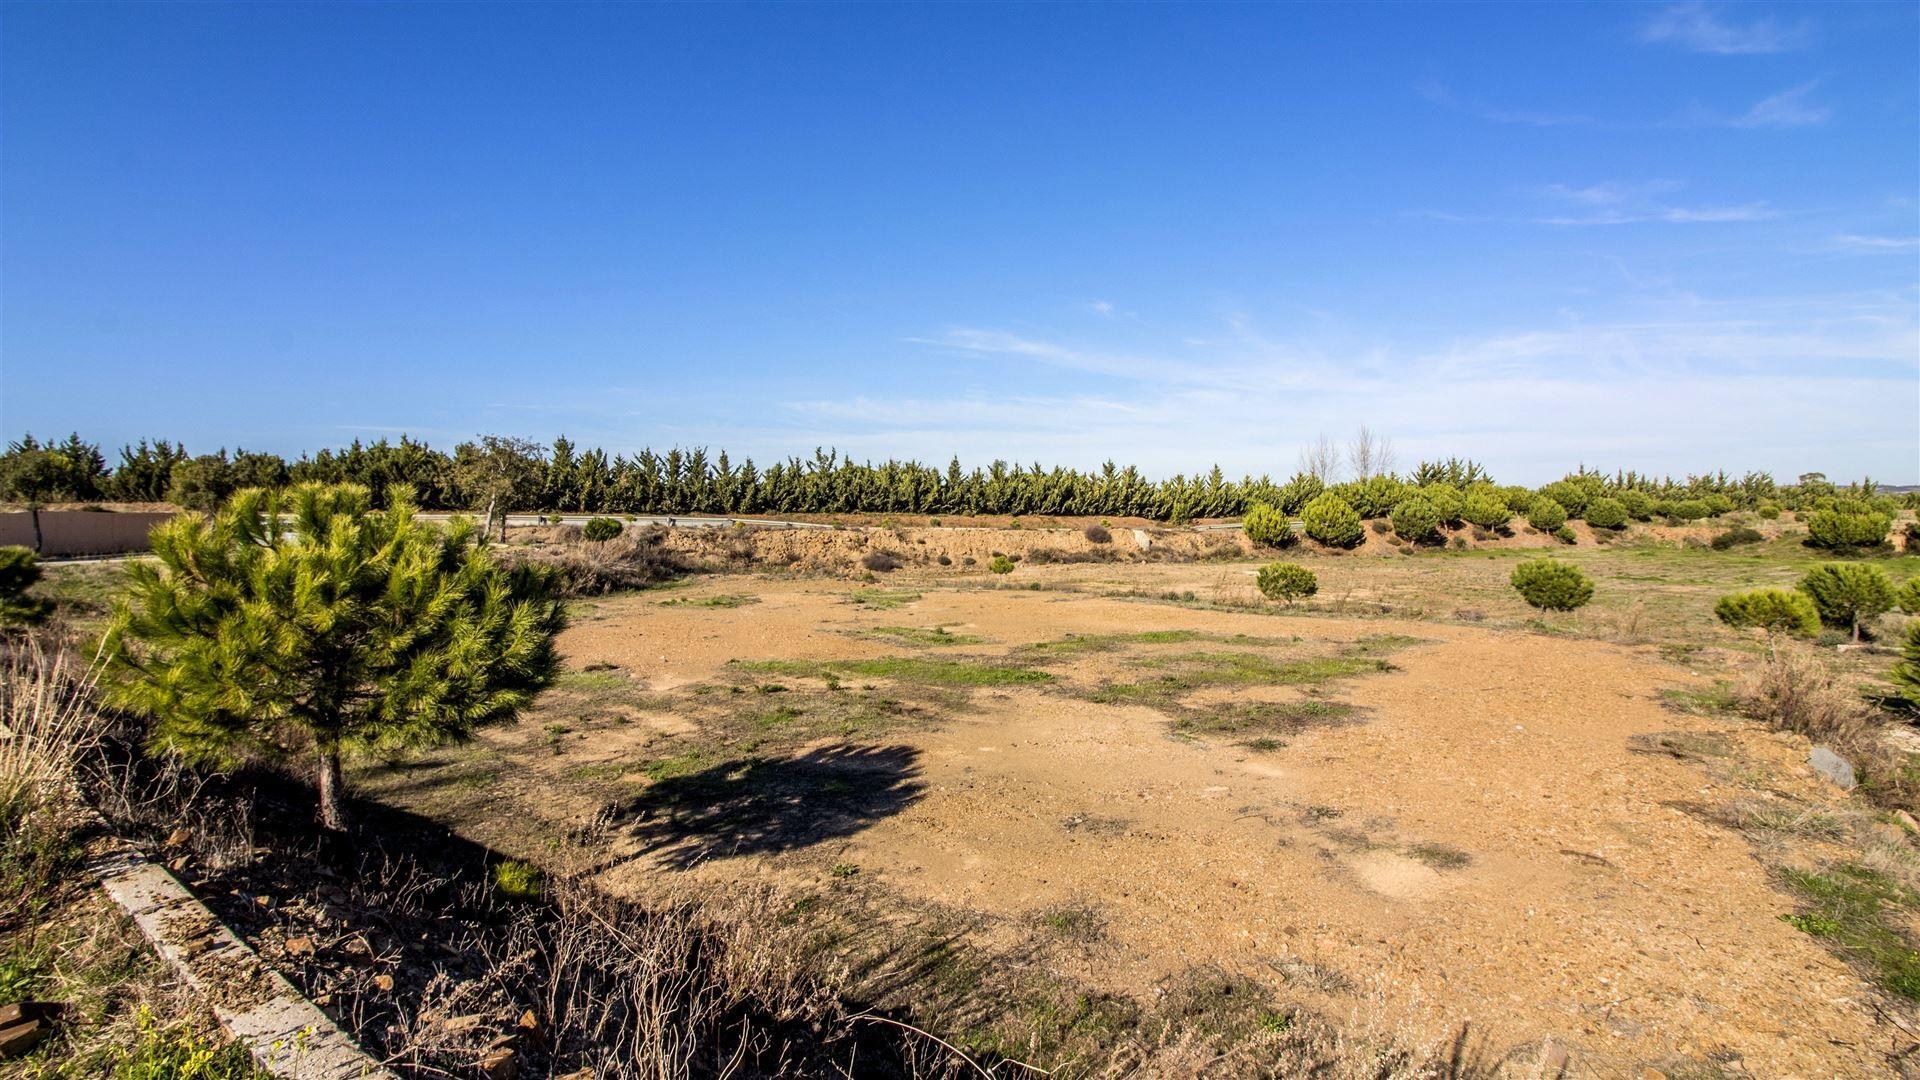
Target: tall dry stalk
{"type": "Point", "coordinates": [48, 722]}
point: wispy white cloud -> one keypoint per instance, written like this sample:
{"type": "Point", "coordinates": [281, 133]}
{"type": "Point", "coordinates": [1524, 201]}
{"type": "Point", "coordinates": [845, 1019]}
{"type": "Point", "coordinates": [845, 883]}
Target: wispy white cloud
{"type": "Point", "coordinates": [1617, 203]}
{"type": "Point", "coordinates": [1786, 383]}
{"type": "Point", "coordinates": [1876, 245]}
{"type": "Point", "coordinates": [1441, 95]}
{"type": "Point", "coordinates": [1704, 28]}
{"type": "Point", "coordinates": [1101, 307]}
{"type": "Point", "coordinates": [1788, 108]}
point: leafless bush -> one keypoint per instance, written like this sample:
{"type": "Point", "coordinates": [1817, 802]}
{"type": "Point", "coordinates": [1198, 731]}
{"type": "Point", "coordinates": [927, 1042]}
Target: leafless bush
{"type": "Point", "coordinates": [633, 561]}
{"type": "Point", "coordinates": [1041, 556]}
{"type": "Point", "coordinates": [1794, 690]}
{"type": "Point", "coordinates": [1098, 534]}
{"type": "Point", "coordinates": [882, 561]}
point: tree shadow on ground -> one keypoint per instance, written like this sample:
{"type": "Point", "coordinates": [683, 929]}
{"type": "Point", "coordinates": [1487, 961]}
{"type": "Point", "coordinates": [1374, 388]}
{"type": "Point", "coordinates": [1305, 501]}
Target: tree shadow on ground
{"type": "Point", "coordinates": [758, 806]}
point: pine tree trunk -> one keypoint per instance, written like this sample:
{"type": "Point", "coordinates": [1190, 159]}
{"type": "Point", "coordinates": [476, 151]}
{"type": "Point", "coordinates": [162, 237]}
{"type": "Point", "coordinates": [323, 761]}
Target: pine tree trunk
{"type": "Point", "coordinates": [333, 811]}
{"type": "Point", "coordinates": [39, 544]}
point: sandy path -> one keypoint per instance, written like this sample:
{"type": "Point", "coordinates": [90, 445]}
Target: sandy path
{"type": "Point", "coordinates": [1590, 909]}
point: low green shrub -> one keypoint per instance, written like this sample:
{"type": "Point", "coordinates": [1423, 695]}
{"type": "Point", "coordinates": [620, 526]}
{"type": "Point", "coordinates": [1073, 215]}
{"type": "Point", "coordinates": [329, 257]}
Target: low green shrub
{"type": "Point", "coordinates": [1906, 673]}
{"type": "Point", "coordinates": [1001, 565]}
{"type": "Point", "coordinates": [1572, 496]}
{"type": "Point", "coordinates": [1639, 504]}
{"type": "Point", "coordinates": [1848, 595]}
{"type": "Point", "coordinates": [1606, 513]}
{"type": "Point", "coordinates": [1546, 515]}
{"type": "Point", "coordinates": [1287, 581]}
{"type": "Point", "coordinates": [1907, 597]}
{"type": "Point", "coordinates": [1734, 537]}
{"type": "Point", "coordinates": [1485, 510]}
{"type": "Point", "coordinates": [1848, 525]}
{"type": "Point", "coordinates": [1772, 610]}
{"type": "Point", "coordinates": [1331, 521]}
{"type": "Point", "coordinates": [19, 571]}
{"type": "Point", "coordinates": [1566, 535]}
{"type": "Point", "coordinates": [1551, 585]}
{"type": "Point", "coordinates": [1445, 498]}
{"type": "Point", "coordinates": [1417, 519]}
{"type": "Point", "coordinates": [1689, 510]}
{"type": "Point", "coordinates": [516, 880]}
{"type": "Point", "coordinates": [1769, 511]}
{"type": "Point", "coordinates": [601, 529]}
{"type": "Point", "coordinates": [1718, 504]}
{"type": "Point", "coordinates": [1268, 526]}
{"type": "Point", "coordinates": [1374, 496]}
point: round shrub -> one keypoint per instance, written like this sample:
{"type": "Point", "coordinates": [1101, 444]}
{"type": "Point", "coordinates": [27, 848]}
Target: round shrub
{"type": "Point", "coordinates": [1374, 496]}
{"type": "Point", "coordinates": [1267, 525]}
{"type": "Point", "coordinates": [1517, 498]}
{"type": "Point", "coordinates": [1097, 534]}
{"type": "Point", "coordinates": [1331, 521]}
{"type": "Point", "coordinates": [1607, 513]}
{"type": "Point", "coordinates": [1001, 565]}
{"type": "Point", "coordinates": [1848, 594]}
{"type": "Point", "coordinates": [1734, 537]}
{"type": "Point", "coordinates": [882, 561]}
{"type": "Point", "coordinates": [1639, 504]}
{"type": "Point", "coordinates": [1848, 525]}
{"type": "Point", "coordinates": [1551, 585]}
{"type": "Point", "coordinates": [1907, 597]}
{"type": "Point", "coordinates": [1565, 534]}
{"type": "Point", "coordinates": [1769, 511]}
{"type": "Point", "coordinates": [1690, 510]}
{"type": "Point", "coordinates": [1718, 504]}
{"type": "Point", "coordinates": [1485, 510]}
{"type": "Point", "coordinates": [1445, 498]}
{"type": "Point", "coordinates": [1773, 610]}
{"type": "Point", "coordinates": [1287, 581]}
{"type": "Point", "coordinates": [601, 529]}
{"type": "Point", "coordinates": [1572, 496]}
{"type": "Point", "coordinates": [1546, 515]}
{"type": "Point", "coordinates": [1416, 519]}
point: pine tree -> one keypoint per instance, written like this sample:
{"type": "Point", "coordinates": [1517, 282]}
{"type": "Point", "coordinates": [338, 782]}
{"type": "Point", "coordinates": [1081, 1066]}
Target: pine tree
{"type": "Point", "coordinates": [301, 623]}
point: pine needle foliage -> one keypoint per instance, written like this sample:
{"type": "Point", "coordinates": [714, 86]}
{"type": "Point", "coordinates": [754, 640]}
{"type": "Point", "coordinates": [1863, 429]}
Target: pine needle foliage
{"type": "Point", "coordinates": [303, 623]}
{"type": "Point", "coordinates": [19, 570]}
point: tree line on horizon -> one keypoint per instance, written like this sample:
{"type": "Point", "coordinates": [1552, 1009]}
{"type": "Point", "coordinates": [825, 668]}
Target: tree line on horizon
{"type": "Point", "coordinates": [500, 474]}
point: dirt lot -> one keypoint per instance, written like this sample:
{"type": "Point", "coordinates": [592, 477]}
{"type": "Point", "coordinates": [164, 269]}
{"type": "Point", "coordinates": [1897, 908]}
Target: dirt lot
{"type": "Point", "coordinates": [1126, 775]}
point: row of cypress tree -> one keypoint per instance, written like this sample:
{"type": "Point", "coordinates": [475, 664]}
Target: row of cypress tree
{"type": "Point", "coordinates": [519, 475]}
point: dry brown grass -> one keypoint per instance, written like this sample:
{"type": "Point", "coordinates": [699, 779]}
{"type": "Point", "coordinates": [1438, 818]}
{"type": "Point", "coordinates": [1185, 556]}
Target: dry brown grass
{"type": "Point", "coordinates": [1795, 690]}
{"type": "Point", "coordinates": [631, 561]}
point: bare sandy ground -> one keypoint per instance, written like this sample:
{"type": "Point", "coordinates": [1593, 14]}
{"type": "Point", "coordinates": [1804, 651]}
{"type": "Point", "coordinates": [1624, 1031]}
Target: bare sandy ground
{"type": "Point", "coordinates": [1483, 846]}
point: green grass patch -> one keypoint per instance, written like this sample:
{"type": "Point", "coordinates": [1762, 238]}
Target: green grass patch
{"type": "Point", "coordinates": [684, 764]}
{"type": "Point", "coordinates": [723, 600]}
{"type": "Point", "coordinates": [914, 669]}
{"type": "Point", "coordinates": [1715, 700]}
{"type": "Point", "coordinates": [1440, 856]}
{"type": "Point", "coordinates": [920, 635]}
{"type": "Point", "coordinates": [1856, 912]}
{"type": "Point", "coordinates": [1073, 922]}
{"type": "Point", "coordinates": [1078, 644]}
{"type": "Point", "coordinates": [883, 599]}
{"type": "Point", "coordinates": [1202, 670]}
{"type": "Point", "coordinates": [1265, 718]}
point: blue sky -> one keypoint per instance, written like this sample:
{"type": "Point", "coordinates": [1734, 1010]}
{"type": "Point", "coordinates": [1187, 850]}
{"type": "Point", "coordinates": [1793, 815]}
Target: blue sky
{"type": "Point", "coordinates": [1663, 237]}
